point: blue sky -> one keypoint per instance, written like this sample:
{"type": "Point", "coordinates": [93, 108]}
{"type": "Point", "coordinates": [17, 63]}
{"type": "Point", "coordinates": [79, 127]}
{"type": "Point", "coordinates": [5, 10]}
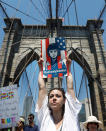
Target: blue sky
{"type": "Point", "coordinates": [86, 9]}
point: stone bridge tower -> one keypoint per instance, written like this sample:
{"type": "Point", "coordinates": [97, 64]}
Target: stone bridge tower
{"type": "Point", "coordinates": [84, 44]}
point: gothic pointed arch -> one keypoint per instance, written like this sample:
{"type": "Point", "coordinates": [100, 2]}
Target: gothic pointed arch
{"type": "Point", "coordinates": [24, 62]}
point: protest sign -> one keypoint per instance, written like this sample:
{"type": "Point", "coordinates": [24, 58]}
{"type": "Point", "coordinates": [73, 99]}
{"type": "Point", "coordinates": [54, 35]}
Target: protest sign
{"type": "Point", "coordinates": [53, 52]}
{"type": "Point", "coordinates": [8, 106]}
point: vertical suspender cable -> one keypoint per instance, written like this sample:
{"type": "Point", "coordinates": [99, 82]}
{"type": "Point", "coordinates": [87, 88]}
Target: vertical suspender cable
{"type": "Point", "coordinates": [76, 12]}
{"type": "Point", "coordinates": [74, 79]}
{"type": "Point", "coordinates": [29, 85]}
{"type": "Point", "coordinates": [57, 7]}
{"type": "Point", "coordinates": [80, 85]}
{"type": "Point", "coordinates": [50, 9]}
{"type": "Point", "coordinates": [87, 94]}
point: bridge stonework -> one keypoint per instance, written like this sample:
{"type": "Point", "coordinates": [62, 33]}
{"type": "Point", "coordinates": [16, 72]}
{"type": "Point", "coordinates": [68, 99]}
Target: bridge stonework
{"type": "Point", "coordinates": [84, 44]}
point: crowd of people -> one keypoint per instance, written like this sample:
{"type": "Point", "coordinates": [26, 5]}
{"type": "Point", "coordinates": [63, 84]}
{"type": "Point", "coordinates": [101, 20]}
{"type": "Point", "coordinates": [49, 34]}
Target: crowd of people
{"type": "Point", "coordinates": [92, 124]}
{"type": "Point", "coordinates": [57, 110]}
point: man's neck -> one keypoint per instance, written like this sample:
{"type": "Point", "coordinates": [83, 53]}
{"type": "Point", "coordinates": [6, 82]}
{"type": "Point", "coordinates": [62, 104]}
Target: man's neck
{"type": "Point", "coordinates": [31, 124]}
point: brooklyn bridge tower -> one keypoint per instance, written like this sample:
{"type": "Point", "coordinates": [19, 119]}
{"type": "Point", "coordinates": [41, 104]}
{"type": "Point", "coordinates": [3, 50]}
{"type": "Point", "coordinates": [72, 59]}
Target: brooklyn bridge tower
{"type": "Point", "coordinates": [84, 44]}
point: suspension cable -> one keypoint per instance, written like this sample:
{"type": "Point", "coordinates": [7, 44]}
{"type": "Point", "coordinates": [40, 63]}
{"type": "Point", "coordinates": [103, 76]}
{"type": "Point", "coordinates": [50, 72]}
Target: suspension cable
{"type": "Point", "coordinates": [68, 14]}
{"type": "Point", "coordinates": [102, 12]}
{"type": "Point", "coordinates": [33, 74]}
{"type": "Point", "coordinates": [21, 12]}
{"type": "Point", "coordinates": [88, 71]}
{"type": "Point", "coordinates": [50, 9]}
{"type": "Point", "coordinates": [29, 85]}
{"type": "Point", "coordinates": [46, 4]}
{"type": "Point", "coordinates": [76, 12]}
{"type": "Point", "coordinates": [74, 79]}
{"type": "Point", "coordinates": [87, 94]}
{"type": "Point", "coordinates": [57, 8]}
{"type": "Point", "coordinates": [1, 32]}
{"type": "Point", "coordinates": [36, 82]}
{"type": "Point", "coordinates": [23, 68]}
{"type": "Point", "coordinates": [60, 7]}
{"type": "Point", "coordinates": [80, 84]}
{"type": "Point", "coordinates": [4, 11]}
{"type": "Point", "coordinates": [71, 46]}
{"type": "Point", "coordinates": [36, 8]}
{"type": "Point", "coordinates": [67, 8]}
{"type": "Point", "coordinates": [43, 8]}
{"type": "Point", "coordinates": [63, 11]}
{"type": "Point", "coordinates": [21, 86]}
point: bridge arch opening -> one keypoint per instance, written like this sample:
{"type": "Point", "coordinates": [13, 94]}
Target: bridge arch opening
{"type": "Point", "coordinates": [28, 86]}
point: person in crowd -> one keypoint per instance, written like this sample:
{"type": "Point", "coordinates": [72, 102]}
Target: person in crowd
{"type": "Point", "coordinates": [20, 124]}
{"type": "Point", "coordinates": [57, 111]}
{"type": "Point", "coordinates": [92, 124]}
{"type": "Point", "coordinates": [31, 126]}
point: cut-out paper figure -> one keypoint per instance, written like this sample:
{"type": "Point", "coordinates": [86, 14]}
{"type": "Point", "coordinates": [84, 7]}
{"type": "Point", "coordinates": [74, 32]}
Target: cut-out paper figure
{"type": "Point", "coordinates": [53, 51]}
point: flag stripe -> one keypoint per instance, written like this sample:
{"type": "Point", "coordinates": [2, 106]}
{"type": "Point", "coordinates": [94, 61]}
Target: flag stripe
{"type": "Point", "coordinates": [48, 58]}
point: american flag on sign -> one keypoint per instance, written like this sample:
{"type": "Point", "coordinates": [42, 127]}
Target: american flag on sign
{"type": "Point", "coordinates": [53, 51]}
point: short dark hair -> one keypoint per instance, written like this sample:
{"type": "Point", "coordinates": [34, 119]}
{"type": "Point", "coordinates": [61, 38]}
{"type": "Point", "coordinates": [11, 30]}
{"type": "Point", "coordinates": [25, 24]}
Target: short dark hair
{"type": "Point", "coordinates": [31, 115]}
{"type": "Point", "coordinates": [53, 47]}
